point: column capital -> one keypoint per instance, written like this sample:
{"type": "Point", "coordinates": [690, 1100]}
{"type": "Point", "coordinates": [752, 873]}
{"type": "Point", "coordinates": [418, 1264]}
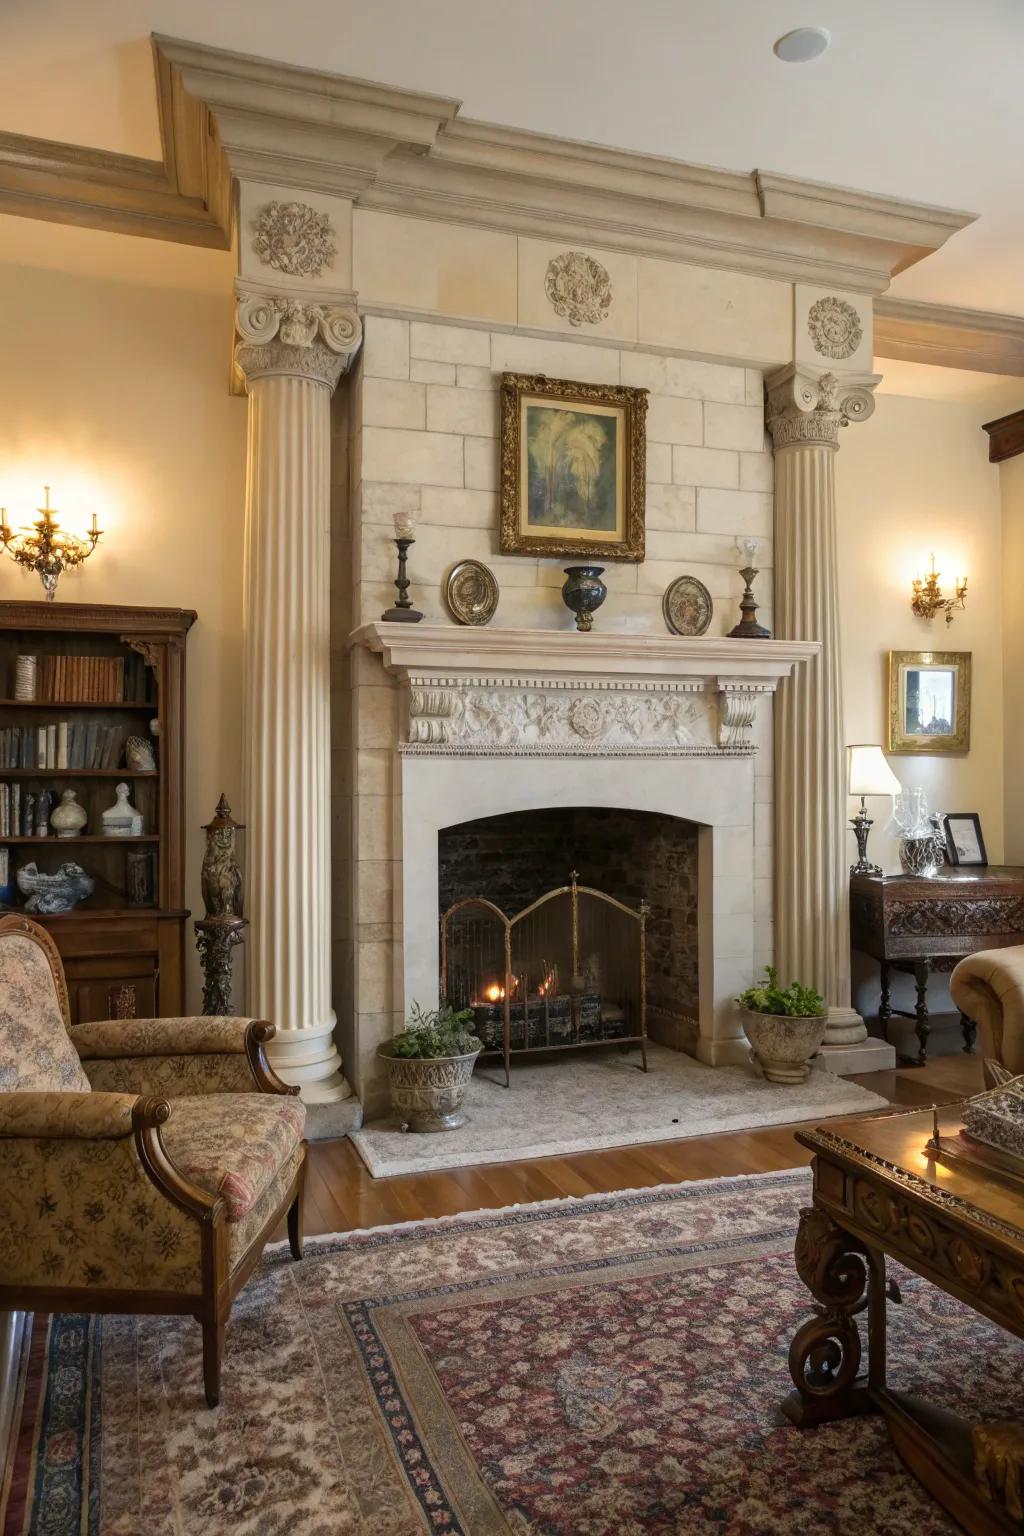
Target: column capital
{"type": "Point", "coordinates": [294, 334]}
{"type": "Point", "coordinates": [806, 409]}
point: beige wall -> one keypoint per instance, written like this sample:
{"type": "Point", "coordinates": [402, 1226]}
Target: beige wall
{"type": "Point", "coordinates": [912, 479]}
{"type": "Point", "coordinates": [116, 395]}
{"type": "Point", "coordinates": [1011, 478]}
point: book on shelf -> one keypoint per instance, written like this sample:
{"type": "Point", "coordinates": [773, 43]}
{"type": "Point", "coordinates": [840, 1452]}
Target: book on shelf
{"type": "Point", "coordinates": [65, 744]}
{"type": "Point", "coordinates": [85, 680]}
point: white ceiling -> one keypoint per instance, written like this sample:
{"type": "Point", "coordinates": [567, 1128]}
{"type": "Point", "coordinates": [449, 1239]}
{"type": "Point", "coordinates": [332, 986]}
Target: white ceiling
{"type": "Point", "coordinates": [917, 98]}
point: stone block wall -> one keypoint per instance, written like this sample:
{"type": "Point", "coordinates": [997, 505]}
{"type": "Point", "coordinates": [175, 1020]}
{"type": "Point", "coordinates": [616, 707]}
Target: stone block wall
{"type": "Point", "coordinates": [423, 438]}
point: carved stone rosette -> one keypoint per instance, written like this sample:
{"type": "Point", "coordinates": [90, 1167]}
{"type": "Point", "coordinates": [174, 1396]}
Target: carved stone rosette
{"type": "Point", "coordinates": [834, 327]}
{"type": "Point", "coordinates": [578, 287]}
{"type": "Point", "coordinates": [293, 238]}
{"type": "Point", "coordinates": [280, 335]}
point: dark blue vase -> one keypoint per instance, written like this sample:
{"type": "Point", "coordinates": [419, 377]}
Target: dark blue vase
{"type": "Point", "coordinates": [584, 592]}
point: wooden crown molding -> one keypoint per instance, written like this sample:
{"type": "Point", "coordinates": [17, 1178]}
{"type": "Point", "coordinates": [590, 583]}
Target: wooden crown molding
{"type": "Point", "coordinates": [227, 116]}
{"type": "Point", "coordinates": [947, 337]}
{"type": "Point", "coordinates": [1005, 436]}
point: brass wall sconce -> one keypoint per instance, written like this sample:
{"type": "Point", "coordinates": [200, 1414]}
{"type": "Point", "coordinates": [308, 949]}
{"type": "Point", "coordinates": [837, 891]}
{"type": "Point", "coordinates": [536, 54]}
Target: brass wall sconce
{"type": "Point", "coordinates": [46, 547]}
{"type": "Point", "coordinates": [927, 599]}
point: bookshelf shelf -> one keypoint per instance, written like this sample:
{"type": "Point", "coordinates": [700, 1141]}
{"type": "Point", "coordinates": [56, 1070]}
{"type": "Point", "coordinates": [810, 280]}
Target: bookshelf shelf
{"type": "Point", "coordinates": [96, 840]}
{"type": "Point", "coordinates": [120, 959]}
{"type": "Point", "coordinates": [140, 706]}
{"type": "Point", "coordinates": [78, 773]}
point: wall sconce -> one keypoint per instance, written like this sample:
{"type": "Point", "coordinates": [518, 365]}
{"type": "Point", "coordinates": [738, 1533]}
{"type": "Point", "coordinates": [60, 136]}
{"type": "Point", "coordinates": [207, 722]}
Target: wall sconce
{"type": "Point", "coordinates": [46, 548]}
{"type": "Point", "coordinates": [927, 599]}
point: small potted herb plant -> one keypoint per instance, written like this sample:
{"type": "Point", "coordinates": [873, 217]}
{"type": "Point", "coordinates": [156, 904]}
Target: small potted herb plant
{"type": "Point", "coordinates": [785, 1026]}
{"type": "Point", "coordinates": [429, 1067]}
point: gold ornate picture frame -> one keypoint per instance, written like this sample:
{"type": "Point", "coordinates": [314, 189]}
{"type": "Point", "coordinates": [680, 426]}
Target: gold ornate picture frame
{"type": "Point", "coordinates": [929, 702]}
{"type": "Point", "coordinates": [573, 468]}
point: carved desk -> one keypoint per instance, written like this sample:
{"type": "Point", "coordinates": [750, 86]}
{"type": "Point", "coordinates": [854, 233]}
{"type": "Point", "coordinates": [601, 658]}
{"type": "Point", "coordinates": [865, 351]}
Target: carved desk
{"type": "Point", "coordinates": [877, 1192]}
{"type": "Point", "coordinates": [909, 923]}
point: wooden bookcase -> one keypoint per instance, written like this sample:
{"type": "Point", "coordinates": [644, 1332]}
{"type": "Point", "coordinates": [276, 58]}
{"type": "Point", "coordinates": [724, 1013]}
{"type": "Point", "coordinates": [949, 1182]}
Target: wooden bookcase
{"type": "Point", "coordinates": [121, 961]}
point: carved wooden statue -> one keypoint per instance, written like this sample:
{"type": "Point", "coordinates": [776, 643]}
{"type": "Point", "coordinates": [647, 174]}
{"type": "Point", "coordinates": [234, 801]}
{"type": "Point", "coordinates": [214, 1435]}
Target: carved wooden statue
{"type": "Point", "coordinates": [223, 926]}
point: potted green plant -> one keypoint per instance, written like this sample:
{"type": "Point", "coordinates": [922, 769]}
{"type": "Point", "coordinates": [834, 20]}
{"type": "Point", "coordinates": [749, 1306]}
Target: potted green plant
{"type": "Point", "coordinates": [429, 1067]}
{"type": "Point", "coordinates": [785, 1026]}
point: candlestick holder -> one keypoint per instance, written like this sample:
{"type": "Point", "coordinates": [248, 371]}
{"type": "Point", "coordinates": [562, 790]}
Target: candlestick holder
{"type": "Point", "coordinates": [403, 612]}
{"type": "Point", "coordinates": [748, 628]}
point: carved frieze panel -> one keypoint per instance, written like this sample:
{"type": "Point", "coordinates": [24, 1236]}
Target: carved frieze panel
{"type": "Point", "coordinates": [573, 718]}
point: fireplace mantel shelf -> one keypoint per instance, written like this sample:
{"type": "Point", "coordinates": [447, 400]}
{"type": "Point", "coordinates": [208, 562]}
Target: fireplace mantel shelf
{"type": "Point", "coordinates": [422, 650]}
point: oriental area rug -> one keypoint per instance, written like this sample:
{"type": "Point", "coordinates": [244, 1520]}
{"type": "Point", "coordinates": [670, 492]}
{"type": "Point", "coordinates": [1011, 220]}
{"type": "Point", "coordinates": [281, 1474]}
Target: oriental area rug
{"type": "Point", "coordinates": [605, 1100]}
{"type": "Point", "coordinates": [603, 1367]}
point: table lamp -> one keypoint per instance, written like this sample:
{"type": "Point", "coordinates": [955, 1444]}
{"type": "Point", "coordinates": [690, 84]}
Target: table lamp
{"type": "Point", "coordinates": [869, 774]}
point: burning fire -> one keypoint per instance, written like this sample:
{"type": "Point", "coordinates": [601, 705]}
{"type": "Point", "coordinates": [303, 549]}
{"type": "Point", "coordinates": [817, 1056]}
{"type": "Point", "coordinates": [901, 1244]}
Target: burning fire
{"type": "Point", "coordinates": [494, 993]}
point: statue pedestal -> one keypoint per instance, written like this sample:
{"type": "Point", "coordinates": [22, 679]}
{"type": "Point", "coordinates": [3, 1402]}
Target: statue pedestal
{"type": "Point", "coordinates": [216, 937]}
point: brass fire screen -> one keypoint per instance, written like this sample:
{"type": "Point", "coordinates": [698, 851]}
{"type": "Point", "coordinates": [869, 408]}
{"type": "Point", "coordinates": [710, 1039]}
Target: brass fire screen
{"type": "Point", "coordinates": [566, 973]}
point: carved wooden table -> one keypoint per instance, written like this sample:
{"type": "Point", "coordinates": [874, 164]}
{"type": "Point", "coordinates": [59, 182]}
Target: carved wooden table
{"type": "Point", "coordinates": [908, 923]}
{"type": "Point", "coordinates": [877, 1192]}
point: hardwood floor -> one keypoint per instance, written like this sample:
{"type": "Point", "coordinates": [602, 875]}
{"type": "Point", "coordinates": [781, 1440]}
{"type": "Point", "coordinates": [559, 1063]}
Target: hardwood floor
{"type": "Point", "coordinates": [341, 1194]}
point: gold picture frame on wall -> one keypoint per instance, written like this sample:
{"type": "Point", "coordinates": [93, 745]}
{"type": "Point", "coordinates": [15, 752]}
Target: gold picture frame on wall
{"type": "Point", "coordinates": [573, 468]}
{"type": "Point", "coordinates": [929, 702]}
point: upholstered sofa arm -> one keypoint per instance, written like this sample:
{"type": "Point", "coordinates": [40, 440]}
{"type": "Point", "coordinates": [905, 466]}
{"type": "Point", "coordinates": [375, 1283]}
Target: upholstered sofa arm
{"type": "Point", "coordinates": [988, 988]}
{"type": "Point", "coordinates": [113, 1038]}
{"type": "Point", "coordinates": [72, 1116]}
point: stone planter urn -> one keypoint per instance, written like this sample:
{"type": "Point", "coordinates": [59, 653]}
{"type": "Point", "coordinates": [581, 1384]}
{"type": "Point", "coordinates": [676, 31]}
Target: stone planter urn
{"type": "Point", "coordinates": [782, 1044]}
{"type": "Point", "coordinates": [427, 1092]}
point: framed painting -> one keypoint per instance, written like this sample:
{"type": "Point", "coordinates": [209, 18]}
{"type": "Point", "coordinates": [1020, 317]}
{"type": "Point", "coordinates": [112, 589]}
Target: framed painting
{"type": "Point", "coordinates": [929, 702]}
{"type": "Point", "coordinates": [573, 468]}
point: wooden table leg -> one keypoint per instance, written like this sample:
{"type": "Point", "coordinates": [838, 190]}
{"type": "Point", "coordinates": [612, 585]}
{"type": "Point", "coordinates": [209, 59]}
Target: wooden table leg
{"type": "Point", "coordinates": [885, 1000]}
{"type": "Point", "coordinates": [825, 1355]}
{"type": "Point", "coordinates": [922, 971]}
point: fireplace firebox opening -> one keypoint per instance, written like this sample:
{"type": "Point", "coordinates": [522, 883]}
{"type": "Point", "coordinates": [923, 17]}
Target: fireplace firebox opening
{"type": "Point", "coordinates": [631, 860]}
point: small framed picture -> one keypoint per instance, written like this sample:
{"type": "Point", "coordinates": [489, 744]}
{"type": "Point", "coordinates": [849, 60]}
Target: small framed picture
{"type": "Point", "coordinates": [929, 702]}
{"type": "Point", "coordinates": [964, 842]}
{"type": "Point", "coordinates": [573, 468]}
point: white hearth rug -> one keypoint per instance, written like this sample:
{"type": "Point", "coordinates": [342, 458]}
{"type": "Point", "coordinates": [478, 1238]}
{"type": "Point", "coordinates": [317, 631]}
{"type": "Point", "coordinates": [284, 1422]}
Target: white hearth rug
{"type": "Point", "coordinates": [601, 1099]}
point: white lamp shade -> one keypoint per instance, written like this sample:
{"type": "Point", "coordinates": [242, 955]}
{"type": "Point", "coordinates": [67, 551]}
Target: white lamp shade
{"type": "Point", "coordinates": [870, 774]}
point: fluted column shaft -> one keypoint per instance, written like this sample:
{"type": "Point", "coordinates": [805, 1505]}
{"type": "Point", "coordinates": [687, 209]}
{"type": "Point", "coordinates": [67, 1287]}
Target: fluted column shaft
{"type": "Point", "coordinates": [811, 891]}
{"type": "Point", "coordinates": [291, 368]}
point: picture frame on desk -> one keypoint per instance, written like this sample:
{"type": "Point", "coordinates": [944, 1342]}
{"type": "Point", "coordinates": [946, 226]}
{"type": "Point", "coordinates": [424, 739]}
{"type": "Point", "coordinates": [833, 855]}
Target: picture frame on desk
{"type": "Point", "coordinates": [965, 844]}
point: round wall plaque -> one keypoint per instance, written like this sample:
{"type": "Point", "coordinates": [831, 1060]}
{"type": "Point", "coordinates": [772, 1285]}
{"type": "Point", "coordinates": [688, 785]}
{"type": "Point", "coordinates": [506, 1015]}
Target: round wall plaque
{"type": "Point", "coordinates": [471, 593]}
{"type": "Point", "coordinates": [687, 606]}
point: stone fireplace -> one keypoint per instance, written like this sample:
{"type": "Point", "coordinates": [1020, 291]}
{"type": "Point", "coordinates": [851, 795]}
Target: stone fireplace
{"type": "Point", "coordinates": [650, 740]}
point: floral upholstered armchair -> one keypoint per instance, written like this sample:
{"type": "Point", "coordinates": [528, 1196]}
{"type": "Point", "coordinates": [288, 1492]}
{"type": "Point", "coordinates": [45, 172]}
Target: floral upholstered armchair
{"type": "Point", "coordinates": [143, 1163]}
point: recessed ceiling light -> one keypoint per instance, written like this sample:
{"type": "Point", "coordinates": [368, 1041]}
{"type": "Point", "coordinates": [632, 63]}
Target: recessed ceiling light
{"type": "Point", "coordinates": [802, 44]}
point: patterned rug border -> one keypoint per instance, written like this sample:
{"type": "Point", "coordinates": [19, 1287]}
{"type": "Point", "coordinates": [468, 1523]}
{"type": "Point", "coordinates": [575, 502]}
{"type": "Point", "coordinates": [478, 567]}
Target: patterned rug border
{"type": "Point", "coordinates": [485, 1216]}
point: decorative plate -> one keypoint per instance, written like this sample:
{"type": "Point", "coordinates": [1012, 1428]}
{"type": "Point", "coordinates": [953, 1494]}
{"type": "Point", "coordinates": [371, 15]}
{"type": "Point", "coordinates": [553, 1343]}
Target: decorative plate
{"type": "Point", "coordinates": [471, 593]}
{"type": "Point", "coordinates": [687, 606]}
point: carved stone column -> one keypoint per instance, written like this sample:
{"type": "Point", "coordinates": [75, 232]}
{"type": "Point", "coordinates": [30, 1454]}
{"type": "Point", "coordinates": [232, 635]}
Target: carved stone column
{"type": "Point", "coordinates": [291, 354]}
{"type": "Point", "coordinates": [804, 414]}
